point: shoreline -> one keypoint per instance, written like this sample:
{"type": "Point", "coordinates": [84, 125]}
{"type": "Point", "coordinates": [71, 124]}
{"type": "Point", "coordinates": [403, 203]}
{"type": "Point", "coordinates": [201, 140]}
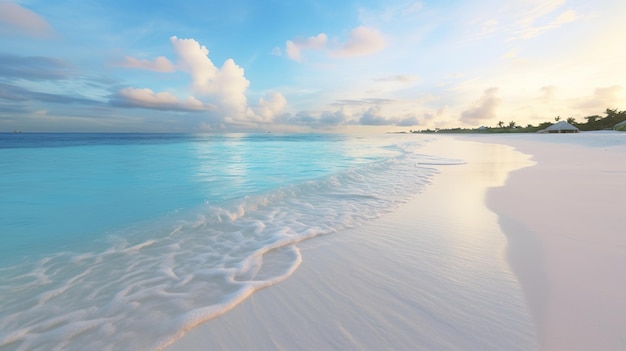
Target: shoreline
{"type": "Point", "coordinates": [558, 208]}
{"type": "Point", "coordinates": [412, 279]}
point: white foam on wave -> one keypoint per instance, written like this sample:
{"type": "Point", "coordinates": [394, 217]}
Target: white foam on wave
{"type": "Point", "coordinates": [157, 280]}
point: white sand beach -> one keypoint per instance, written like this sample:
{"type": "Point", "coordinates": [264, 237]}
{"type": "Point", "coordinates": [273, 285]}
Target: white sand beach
{"type": "Point", "coordinates": [468, 264]}
{"type": "Point", "coordinates": [564, 219]}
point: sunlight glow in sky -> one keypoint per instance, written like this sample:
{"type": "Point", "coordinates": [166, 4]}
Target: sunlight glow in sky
{"type": "Point", "coordinates": [311, 65]}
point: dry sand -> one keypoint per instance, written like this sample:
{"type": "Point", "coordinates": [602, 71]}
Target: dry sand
{"type": "Point", "coordinates": [565, 220]}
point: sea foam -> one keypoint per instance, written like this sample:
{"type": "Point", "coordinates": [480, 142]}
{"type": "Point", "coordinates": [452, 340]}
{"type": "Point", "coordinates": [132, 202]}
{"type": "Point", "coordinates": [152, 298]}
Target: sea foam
{"type": "Point", "coordinates": [158, 279]}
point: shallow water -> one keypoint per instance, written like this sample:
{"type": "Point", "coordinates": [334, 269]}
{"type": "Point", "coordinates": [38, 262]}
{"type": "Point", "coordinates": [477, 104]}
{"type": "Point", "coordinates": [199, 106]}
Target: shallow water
{"type": "Point", "coordinates": [125, 241]}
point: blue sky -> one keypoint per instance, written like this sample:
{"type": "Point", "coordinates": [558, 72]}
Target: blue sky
{"type": "Point", "coordinates": [187, 66]}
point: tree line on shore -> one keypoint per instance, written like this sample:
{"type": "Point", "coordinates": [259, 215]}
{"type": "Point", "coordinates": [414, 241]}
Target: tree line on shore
{"type": "Point", "coordinates": [595, 122]}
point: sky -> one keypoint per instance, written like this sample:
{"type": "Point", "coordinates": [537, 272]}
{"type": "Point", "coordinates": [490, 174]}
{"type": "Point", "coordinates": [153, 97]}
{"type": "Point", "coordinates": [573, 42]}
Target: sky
{"type": "Point", "coordinates": [307, 65]}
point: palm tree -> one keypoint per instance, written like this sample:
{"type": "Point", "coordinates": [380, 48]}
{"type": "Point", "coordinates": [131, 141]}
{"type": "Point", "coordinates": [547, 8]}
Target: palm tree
{"type": "Point", "coordinates": [512, 124]}
{"type": "Point", "coordinates": [557, 118]}
{"type": "Point", "coordinates": [500, 124]}
{"type": "Point", "coordinates": [571, 120]}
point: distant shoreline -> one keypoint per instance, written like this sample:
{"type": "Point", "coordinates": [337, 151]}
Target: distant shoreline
{"type": "Point", "coordinates": [614, 120]}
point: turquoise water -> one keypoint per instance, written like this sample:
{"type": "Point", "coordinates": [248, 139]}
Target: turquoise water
{"type": "Point", "coordinates": [60, 191]}
{"type": "Point", "coordinates": [123, 241]}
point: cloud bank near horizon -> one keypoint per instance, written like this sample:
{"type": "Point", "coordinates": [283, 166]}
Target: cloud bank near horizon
{"type": "Point", "coordinates": [393, 66]}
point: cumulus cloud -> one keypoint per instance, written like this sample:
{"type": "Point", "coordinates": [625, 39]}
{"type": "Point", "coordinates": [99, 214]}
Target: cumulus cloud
{"type": "Point", "coordinates": [326, 120]}
{"type": "Point", "coordinates": [373, 117]}
{"type": "Point", "coordinates": [230, 85]}
{"type": "Point", "coordinates": [333, 119]}
{"type": "Point", "coordinates": [295, 47]}
{"type": "Point", "coordinates": [194, 59]}
{"type": "Point", "coordinates": [218, 89]}
{"type": "Point", "coordinates": [227, 85]}
{"type": "Point", "coordinates": [159, 64]}
{"type": "Point", "coordinates": [361, 41]}
{"type": "Point", "coordinates": [270, 106]}
{"type": "Point", "coordinates": [483, 109]}
{"type": "Point", "coordinates": [146, 98]}
{"type": "Point", "coordinates": [15, 19]}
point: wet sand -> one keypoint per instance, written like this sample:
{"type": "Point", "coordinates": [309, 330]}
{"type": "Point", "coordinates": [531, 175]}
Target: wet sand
{"type": "Point", "coordinates": [431, 275]}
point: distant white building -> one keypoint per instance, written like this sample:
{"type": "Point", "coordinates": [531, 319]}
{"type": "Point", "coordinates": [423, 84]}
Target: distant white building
{"type": "Point", "coordinates": [560, 127]}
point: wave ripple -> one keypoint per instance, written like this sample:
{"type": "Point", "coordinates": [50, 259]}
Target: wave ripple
{"type": "Point", "coordinates": [159, 279]}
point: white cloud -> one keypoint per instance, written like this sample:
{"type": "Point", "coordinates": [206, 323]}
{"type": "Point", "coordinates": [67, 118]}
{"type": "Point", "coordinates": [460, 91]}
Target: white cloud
{"type": "Point", "coordinates": [231, 85]}
{"type": "Point", "coordinates": [361, 41]}
{"type": "Point", "coordinates": [193, 58]}
{"type": "Point", "coordinates": [483, 109]}
{"type": "Point", "coordinates": [220, 90]}
{"type": "Point", "coordinates": [146, 98]}
{"type": "Point", "coordinates": [270, 106]}
{"type": "Point", "coordinates": [327, 120]}
{"type": "Point", "coordinates": [374, 117]}
{"type": "Point", "coordinates": [159, 64]}
{"type": "Point", "coordinates": [336, 118]}
{"type": "Point", "coordinates": [226, 86]}
{"type": "Point", "coordinates": [295, 47]}
{"type": "Point", "coordinates": [20, 20]}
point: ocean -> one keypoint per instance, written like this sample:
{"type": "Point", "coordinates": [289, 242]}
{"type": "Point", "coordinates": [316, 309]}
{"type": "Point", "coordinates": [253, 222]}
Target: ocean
{"type": "Point", "coordinates": [126, 241]}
